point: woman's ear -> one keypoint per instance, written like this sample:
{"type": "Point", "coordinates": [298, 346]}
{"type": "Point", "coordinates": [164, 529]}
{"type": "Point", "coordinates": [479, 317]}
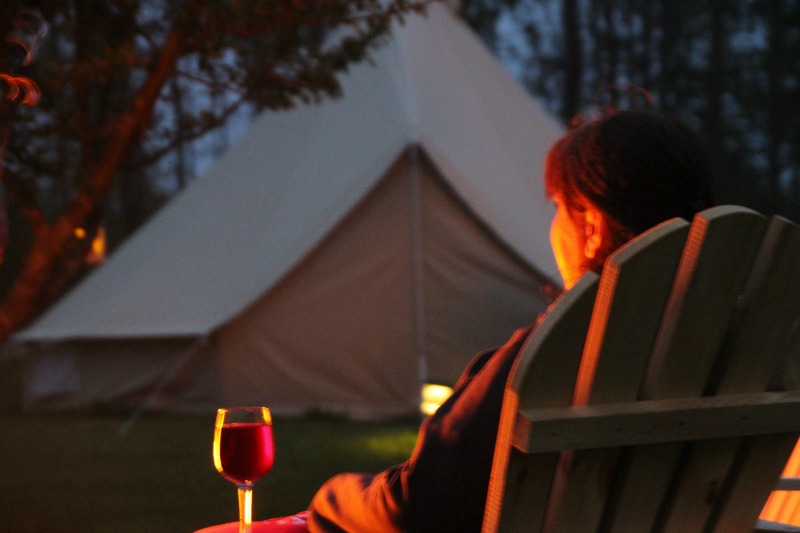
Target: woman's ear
{"type": "Point", "coordinates": [593, 222]}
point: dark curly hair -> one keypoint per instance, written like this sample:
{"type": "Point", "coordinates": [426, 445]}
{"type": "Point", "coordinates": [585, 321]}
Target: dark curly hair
{"type": "Point", "coordinates": [638, 168]}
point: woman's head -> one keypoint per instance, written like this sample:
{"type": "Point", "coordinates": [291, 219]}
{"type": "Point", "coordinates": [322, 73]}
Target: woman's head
{"type": "Point", "coordinates": [617, 176]}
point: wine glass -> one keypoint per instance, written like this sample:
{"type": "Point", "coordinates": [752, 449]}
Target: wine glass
{"type": "Point", "coordinates": [243, 452]}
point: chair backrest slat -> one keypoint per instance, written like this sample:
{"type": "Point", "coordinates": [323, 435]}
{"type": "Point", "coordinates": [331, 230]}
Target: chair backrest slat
{"type": "Point", "coordinates": [769, 325]}
{"type": "Point", "coordinates": [560, 344]}
{"type": "Point", "coordinates": [608, 371]}
{"type": "Point", "coordinates": [716, 263]}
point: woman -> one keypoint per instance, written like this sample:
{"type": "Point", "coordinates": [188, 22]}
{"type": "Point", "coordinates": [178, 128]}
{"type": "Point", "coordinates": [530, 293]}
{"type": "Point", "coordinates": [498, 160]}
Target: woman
{"type": "Point", "coordinates": [611, 179]}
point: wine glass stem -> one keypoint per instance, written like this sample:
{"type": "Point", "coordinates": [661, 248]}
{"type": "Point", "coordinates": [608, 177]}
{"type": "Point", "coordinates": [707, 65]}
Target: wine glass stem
{"type": "Point", "coordinates": [245, 508]}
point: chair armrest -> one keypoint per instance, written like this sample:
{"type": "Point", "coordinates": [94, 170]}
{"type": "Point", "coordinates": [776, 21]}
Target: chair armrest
{"type": "Point", "coordinates": [547, 429]}
{"type": "Point", "coordinates": [765, 526]}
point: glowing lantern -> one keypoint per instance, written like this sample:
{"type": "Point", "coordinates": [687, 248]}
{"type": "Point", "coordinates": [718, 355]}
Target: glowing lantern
{"type": "Point", "coordinates": [433, 396]}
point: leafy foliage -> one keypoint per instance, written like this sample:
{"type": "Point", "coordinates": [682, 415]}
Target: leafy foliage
{"type": "Point", "coordinates": [126, 84]}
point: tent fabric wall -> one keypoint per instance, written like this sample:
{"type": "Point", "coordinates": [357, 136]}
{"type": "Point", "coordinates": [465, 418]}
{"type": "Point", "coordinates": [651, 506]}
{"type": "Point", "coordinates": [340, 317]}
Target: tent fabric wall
{"type": "Point", "coordinates": [323, 337]}
{"type": "Point", "coordinates": [475, 291]}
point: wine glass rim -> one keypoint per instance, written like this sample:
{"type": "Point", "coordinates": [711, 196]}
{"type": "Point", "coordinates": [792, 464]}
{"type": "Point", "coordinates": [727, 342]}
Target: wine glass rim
{"type": "Point", "coordinates": [243, 408]}
{"type": "Point", "coordinates": [244, 413]}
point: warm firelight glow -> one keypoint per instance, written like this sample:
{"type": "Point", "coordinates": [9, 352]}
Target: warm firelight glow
{"type": "Point", "coordinates": [97, 249]}
{"type": "Point", "coordinates": [97, 252]}
{"type": "Point", "coordinates": [433, 396]}
{"type": "Point", "coordinates": [784, 506]}
{"type": "Point", "coordinates": [246, 504]}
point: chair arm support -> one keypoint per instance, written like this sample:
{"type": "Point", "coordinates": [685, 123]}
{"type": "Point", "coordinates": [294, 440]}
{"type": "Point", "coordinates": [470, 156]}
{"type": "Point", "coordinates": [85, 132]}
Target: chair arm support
{"type": "Point", "coordinates": [764, 526]}
{"type": "Point", "coordinates": [788, 483]}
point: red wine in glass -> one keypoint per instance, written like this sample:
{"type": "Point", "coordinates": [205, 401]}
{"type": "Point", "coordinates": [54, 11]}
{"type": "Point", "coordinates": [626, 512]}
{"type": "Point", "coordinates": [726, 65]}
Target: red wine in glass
{"type": "Point", "coordinates": [243, 452]}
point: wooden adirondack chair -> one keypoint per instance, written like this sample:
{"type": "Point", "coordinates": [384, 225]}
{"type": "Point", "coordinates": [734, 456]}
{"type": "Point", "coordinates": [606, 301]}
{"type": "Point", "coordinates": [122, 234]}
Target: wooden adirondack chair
{"type": "Point", "coordinates": [653, 398]}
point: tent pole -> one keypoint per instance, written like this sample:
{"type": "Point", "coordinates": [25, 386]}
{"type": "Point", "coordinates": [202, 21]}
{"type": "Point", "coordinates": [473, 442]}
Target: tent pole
{"type": "Point", "coordinates": [416, 232]}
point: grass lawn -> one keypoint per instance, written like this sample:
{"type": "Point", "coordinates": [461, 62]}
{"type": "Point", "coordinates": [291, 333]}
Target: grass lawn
{"type": "Point", "coordinates": [83, 473]}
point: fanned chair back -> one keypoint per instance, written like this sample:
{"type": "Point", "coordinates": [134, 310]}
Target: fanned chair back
{"type": "Point", "coordinates": [654, 398]}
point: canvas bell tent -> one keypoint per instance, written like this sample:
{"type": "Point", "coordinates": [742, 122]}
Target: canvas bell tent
{"type": "Point", "coordinates": [333, 259]}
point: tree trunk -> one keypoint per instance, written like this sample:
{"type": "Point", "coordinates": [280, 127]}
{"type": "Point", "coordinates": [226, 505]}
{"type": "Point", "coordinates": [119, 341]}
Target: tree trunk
{"type": "Point", "coordinates": [49, 239]}
{"type": "Point", "coordinates": [573, 59]}
{"type": "Point", "coordinates": [612, 51]}
{"type": "Point", "coordinates": [668, 52]}
{"type": "Point", "coordinates": [776, 110]}
{"type": "Point", "coordinates": [715, 81]}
